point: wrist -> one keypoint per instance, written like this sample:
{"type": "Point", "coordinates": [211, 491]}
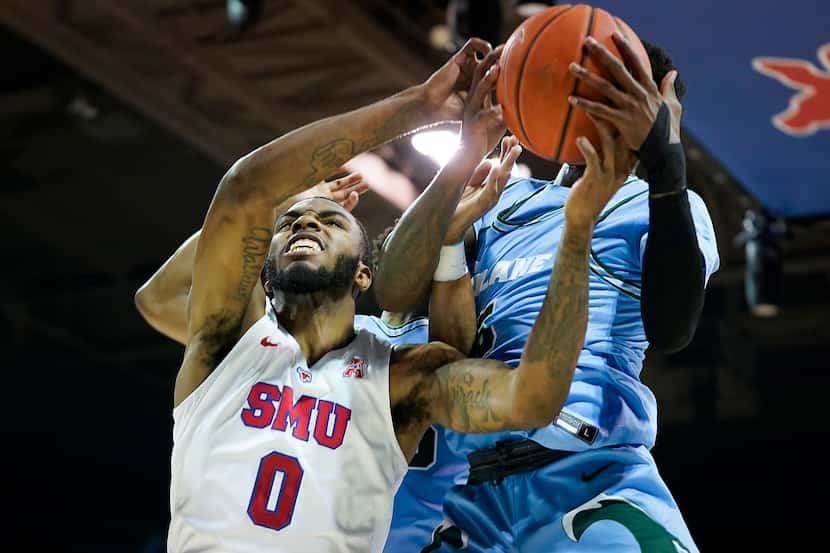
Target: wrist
{"type": "Point", "coordinates": [422, 97]}
{"type": "Point", "coordinates": [452, 263]}
{"type": "Point", "coordinates": [472, 141]}
{"type": "Point", "coordinates": [579, 228]}
{"type": "Point", "coordinates": [455, 236]}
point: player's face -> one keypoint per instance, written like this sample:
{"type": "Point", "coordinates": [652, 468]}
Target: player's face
{"type": "Point", "coordinates": [316, 247]}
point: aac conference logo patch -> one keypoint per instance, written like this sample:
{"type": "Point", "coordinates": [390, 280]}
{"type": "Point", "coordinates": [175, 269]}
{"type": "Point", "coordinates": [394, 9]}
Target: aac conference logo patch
{"type": "Point", "coordinates": [809, 109]}
{"type": "Point", "coordinates": [355, 368]}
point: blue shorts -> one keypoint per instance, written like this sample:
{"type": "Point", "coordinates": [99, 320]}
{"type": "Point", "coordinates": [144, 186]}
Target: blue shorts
{"type": "Point", "coordinates": [604, 499]}
{"type": "Point", "coordinates": [418, 504]}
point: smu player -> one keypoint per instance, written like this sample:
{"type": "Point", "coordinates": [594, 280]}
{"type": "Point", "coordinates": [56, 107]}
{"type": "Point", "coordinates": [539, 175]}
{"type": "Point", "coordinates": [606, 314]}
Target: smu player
{"type": "Point", "coordinates": [587, 482]}
{"type": "Point", "coordinates": [433, 470]}
{"type": "Point", "coordinates": [255, 469]}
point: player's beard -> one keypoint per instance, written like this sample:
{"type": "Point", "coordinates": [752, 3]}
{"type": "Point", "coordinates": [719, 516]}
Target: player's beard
{"type": "Point", "coordinates": [299, 278]}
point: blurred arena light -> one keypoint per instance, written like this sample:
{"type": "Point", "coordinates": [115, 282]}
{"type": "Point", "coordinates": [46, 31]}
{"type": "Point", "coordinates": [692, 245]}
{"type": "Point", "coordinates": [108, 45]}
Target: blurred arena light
{"type": "Point", "coordinates": [762, 282]}
{"type": "Point", "coordinates": [440, 146]}
{"type": "Point", "coordinates": [243, 13]}
{"type": "Point", "coordinates": [527, 8]}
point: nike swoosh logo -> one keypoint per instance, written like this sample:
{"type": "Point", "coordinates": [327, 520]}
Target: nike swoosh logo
{"type": "Point", "coordinates": [588, 476]}
{"type": "Point", "coordinates": [266, 342]}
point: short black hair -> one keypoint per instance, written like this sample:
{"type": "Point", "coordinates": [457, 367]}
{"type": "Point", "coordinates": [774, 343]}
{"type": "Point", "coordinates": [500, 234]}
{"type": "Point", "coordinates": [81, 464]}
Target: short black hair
{"type": "Point", "coordinates": [661, 65]}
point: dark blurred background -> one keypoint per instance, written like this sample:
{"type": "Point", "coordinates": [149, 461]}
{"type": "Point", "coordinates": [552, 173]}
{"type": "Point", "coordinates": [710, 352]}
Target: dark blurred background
{"type": "Point", "coordinates": [117, 120]}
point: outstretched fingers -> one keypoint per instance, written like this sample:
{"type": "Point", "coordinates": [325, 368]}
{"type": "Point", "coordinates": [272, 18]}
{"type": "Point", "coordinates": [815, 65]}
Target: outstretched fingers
{"type": "Point", "coordinates": [623, 78]}
{"type": "Point", "coordinates": [601, 85]}
{"type": "Point", "coordinates": [588, 152]}
{"type": "Point", "coordinates": [632, 61]}
{"type": "Point", "coordinates": [484, 87]}
{"type": "Point", "coordinates": [606, 136]}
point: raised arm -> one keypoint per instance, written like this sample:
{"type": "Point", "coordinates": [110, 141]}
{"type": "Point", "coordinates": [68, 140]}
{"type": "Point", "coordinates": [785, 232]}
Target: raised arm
{"type": "Point", "coordinates": [452, 310]}
{"type": "Point", "coordinates": [162, 300]}
{"type": "Point", "coordinates": [481, 395]}
{"type": "Point", "coordinates": [237, 231]}
{"type": "Point", "coordinates": [674, 268]}
{"type": "Point", "coordinates": [410, 254]}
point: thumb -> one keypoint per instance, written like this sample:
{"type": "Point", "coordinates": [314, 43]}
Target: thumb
{"type": "Point", "coordinates": [351, 201]}
{"type": "Point", "coordinates": [669, 94]}
{"type": "Point", "coordinates": [480, 173]}
{"type": "Point", "coordinates": [667, 86]}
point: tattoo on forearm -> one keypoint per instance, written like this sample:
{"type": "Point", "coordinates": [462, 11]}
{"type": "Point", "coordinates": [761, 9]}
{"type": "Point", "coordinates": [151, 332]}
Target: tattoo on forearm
{"type": "Point", "coordinates": [559, 333]}
{"type": "Point", "coordinates": [327, 158]}
{"type": "Point", "coordinates": [463, 393]}
{"type": "Point", "coordinates": [405, 120]}
{"type": "Point", "coordinates": [470, 400]}
{"type": "Point", "coordinates": [255, 246]}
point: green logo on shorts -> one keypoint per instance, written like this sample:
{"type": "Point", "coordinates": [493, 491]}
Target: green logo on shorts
{"type": "Point", "coordinates": [651, 536]}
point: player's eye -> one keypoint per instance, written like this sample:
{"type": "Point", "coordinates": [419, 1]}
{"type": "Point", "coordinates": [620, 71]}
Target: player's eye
{"type": "Point", "coordinates": [284, 225]}
{"type": "Point", "coordinates": [333, 222]}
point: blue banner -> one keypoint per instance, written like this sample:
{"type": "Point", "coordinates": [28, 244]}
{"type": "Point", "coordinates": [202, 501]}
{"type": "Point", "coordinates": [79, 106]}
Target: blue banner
{"type": "Point", "coordinates": [758, 74]}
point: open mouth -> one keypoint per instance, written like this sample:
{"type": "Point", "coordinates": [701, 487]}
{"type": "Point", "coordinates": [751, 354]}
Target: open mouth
{"type": "Point", "coordinates": [304, 244]}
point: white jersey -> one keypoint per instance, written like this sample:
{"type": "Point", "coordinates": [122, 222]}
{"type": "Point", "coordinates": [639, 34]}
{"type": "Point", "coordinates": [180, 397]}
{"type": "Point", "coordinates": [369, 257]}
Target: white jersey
{"type": "Point", "coordinates": [270, 455]}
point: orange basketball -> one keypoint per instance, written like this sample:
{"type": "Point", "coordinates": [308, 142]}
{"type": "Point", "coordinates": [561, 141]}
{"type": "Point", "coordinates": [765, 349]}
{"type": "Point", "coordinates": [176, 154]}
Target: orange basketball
{"type": "Point", "coordinates": [535, 83]}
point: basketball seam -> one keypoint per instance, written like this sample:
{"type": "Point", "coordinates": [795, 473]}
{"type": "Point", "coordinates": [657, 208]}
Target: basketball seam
{"type": "Point", "coordinates": [576, 85]}
{"type": "Point", "coordinates": [521, 73]}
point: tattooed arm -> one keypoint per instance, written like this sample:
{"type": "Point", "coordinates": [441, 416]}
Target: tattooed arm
{"type": "Point", "coordinates": [237, 231]}
{"type": "Point", "coordinates": [485, 395]}
{"type": "Point", "coordinates": [162, 300]}
{"type": "Point", "coordinates": [410, 254]}
{"type": "Point", "coordinates": [452, 307]}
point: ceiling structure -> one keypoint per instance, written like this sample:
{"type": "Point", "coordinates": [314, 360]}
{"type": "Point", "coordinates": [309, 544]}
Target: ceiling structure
{"type": "Point", "coordinates": [181, 63]}
{"type": "Point", "coordinates": [176, 78]}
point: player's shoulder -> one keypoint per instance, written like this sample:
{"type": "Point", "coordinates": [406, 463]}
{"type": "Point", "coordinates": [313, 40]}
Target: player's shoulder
{"type": "Point", "coordinates": [520, 187]}
{"type": "Point", "coordinates": [632, 201]}
{"type": "Point", "coordinates": [628, 205]}
{"type": "Point", "coordinates": [516, 189]}
{"type": "Point", "coordinates": [414, 331]}
{"type": "Point", "coordinates": [371, 322]}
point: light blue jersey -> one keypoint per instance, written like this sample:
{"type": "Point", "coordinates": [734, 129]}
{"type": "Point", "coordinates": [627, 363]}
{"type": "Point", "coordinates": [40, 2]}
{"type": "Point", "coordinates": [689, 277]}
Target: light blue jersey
{"type": "Point", "coordinates": [516, 249]}
{"type": "Point", "coordinates": [608, 494]}
{"type": "Point", "coordinates": [433, 470]}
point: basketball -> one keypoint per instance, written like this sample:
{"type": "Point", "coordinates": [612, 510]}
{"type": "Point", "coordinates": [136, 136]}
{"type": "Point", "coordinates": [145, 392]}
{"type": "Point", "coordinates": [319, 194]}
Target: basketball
{"type": "Point", "coordinates": [535, 83]}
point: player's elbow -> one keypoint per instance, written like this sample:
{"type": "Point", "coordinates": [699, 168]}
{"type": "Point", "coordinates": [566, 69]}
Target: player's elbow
{"type": "Point", "coordinates": [396, 299]}
{"type": "Point", "coordinates": [535, 409]}
{"type": "Point", "coordinates": [671, 342]}
{"type": "Point", "coordinates": [533, 417]}
{"type": "Point", "coordinates": [242, 185]}
{"type": "Point", "coordinates": [145, 301]}
{"type": "Point", "coordinates": [387, 297]}
{"type": "Point", "coordinates": [670, 335]}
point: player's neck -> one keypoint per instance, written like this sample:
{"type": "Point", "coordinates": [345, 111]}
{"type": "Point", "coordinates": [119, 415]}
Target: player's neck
{"type": "Point", "coordinates": [395, 318]}
{"type": "Point", "coordinates": [319, 325]}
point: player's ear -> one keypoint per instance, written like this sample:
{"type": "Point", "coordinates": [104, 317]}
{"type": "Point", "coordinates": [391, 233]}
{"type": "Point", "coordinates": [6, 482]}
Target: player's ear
{"type": "Point", "coordinates": [362, 277]}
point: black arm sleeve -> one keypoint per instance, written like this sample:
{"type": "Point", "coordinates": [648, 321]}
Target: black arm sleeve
{"type": "Point", "coordinates": [673, 266]}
